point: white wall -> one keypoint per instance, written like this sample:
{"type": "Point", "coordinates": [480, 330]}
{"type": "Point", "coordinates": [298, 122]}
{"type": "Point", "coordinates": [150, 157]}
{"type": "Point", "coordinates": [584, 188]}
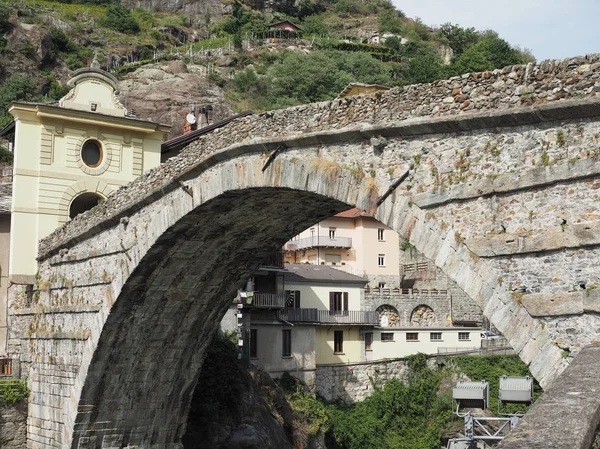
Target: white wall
{"type": "Point", "coordinates": [316, 296]}
{"type": "Point", "coordinates": [400, 347]}
{"type": "Point", "coordinates": [301, 363]}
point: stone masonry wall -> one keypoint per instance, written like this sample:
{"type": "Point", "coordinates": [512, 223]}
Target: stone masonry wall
{"type": "Point", "coordinates": [184, 227]}
{"type": "Point", "coordinates": [508, 88]}
{"type": "Point", "coordinates": [354, 382]}
{"type": "Point", "coordinates": [405, 304]}
{"type": "Point", "coordinates": [13, 426]}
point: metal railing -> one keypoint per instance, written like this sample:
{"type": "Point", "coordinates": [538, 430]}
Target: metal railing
{"type": "Point", "coordinates": [319, 241]}
{"type": "Point", "coordinates": [275, 259]}
{"type": "Point", "coordinates": [418, 270]}
{"type": "Point", "coordinates": [269, 300]}
{"type": "Point", "coordinates": [330, 316]}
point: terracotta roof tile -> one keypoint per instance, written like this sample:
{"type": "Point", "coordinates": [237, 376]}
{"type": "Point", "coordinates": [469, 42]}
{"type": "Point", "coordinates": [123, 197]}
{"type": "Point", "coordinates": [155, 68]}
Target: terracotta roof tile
{"type": "Point", "coordinates": [353, 213]}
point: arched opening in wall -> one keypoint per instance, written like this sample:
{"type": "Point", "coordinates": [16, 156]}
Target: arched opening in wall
{"type": "Point", "coordinates": [170, 308]}
{"type": "Point", "coordinates": [422, 316]}
{"type": "Point", "coordinates": [388, 316]}
{"type": "Point", "coordinates": [83, 203]}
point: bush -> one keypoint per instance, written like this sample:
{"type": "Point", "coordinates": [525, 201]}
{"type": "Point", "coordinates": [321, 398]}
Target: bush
{"type": "Point", "coordinates": [13, 391]}
{"type": "Point", "coordinates": [120, 19]}
{"type": "Point", "coordinates": [6, 157]}
{"type": "Point", "coordinates": [4, 23]}
{"type": "Point", "coordinates": [314, 25]}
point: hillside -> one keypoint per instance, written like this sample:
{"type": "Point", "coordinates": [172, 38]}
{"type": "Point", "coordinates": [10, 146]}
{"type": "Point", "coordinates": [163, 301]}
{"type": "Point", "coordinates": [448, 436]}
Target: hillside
{"type": "Point", "coordinates": [231, 57]}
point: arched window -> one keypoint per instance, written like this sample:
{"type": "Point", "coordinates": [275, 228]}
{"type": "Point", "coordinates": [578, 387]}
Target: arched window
{"type": "Point", "coordinates": [82, 203]}
{"type": "Point", "coordinates": [91, 153]}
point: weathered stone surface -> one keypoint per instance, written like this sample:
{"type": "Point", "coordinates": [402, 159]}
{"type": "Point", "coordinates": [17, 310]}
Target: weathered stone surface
{"type": "Point", "coordinates": [553, 304]}
{"type": "Point", "coordinates": [13, 426]}
{"type": "Point", "coordinates": [567, 414]}
{"type": "Point", "coordinates": [165, 275]}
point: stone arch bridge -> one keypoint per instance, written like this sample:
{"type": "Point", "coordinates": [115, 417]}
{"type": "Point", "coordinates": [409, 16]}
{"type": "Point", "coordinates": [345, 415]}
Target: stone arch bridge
{"type": "Point", "coordinates": [502, 194]}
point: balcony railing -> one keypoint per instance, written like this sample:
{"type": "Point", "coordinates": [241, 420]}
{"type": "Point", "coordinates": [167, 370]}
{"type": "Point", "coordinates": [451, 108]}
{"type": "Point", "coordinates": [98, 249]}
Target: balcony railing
{"type": "Point", "coordinates": [418, 270]}
{"type": "Point", "coordinates": [411, 292]}
{"type": "Point", "coordinates": [330, 316]}
{"type": "Point", "coordinates": [269, 300]}
{"type": "Point", "coordinates": [275, 260]}
{"type": "Point", "coordinates": [317, 241]}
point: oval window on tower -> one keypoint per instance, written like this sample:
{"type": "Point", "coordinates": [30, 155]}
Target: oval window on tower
{"type": "Point", "coordinates": [91, 153]}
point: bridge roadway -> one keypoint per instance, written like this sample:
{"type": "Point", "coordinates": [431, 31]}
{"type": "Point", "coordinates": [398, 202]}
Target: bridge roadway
{"type": "Point", "coordinates": [502, 195]}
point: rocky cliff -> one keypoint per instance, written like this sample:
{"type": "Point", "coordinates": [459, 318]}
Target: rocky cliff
{"type": "Point", "coordinates": [234, 408]}
{"type": "Point", "coordinates": [163, 92]}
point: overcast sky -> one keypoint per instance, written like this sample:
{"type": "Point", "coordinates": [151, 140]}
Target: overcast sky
{"type": "Point", "coordinates": [551, 29]}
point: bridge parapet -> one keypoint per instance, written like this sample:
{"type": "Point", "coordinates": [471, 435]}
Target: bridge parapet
{"type": "Point", "coordinates": [567, 415]}
{"type": "Point", "coordinates": [426, 108]}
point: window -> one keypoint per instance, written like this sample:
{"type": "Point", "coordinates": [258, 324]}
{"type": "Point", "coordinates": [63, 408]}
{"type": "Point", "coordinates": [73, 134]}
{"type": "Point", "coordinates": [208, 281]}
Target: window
{"type": "Point", "coordinates": [286, 343]}
{"type": "Point", "coordinates": [332, 233]}
{"type": "Point", "coordinates": [338, 342]}
{"type": "Point", "coordinates": [94, 107]}
{"type": "Point", "coordinates": [382, 285]}
{"type": "Point", "coordinates": [381, 260]}
{"type": "Point", "coordinates": [412, 336]}
{"type": "Point", "coordinates": [368, 341]}
{"type": "Point", "coordinates": [381, 235]}
{"type": "Point", "coordinates": [253, 343]}
{"type": "Point", "coordinates": [82, 203]}
{"type": "Point", "coordinates": [333, 259]}
{"type": "Point", "coordinates": [292, 298]}
{"type": "Point", "coordinates": [91, 153]}
{"type": "Point", "coordinates": [387, 336]}
{"type": "Point", "coordinates": [464, 336]}
{"type": "Point", "coordinates": [435, 336]}
{"type": "Point", "coordinates": [338, 302]}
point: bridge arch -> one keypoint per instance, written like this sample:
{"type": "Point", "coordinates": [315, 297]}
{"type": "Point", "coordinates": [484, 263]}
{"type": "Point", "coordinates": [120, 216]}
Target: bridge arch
{"type": "Point", "coordinates": [110, 276]}
{"type": "Point", "coordinates": [160, 276]}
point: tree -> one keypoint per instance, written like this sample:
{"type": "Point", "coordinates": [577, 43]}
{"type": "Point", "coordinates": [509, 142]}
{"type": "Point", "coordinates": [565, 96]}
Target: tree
{"type": "Point", "coordinates": [120, 19]}
{"type": "Point", "coordinates": [390, 21]}
{"type": "Point", "coordinates": [321, 75]}
{"type": "Point", "coordinates": [314, 25]}
{"type": "Point", "coordinates": [459, 38]}
{"type": "Point", "coordinates": [15, 88]}
{"type": "Point", "coordinates": [4, 23]}
{"type": "Point", "coordinates": [489, 53]}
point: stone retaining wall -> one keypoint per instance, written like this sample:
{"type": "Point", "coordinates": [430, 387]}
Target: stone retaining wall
{"type": "Point", "coordinates": [352, 383]}
{"type": "Point", "coordinates": [13, 426]}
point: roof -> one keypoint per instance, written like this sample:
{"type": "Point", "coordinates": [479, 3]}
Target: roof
{"type": "Point", "coordinates": [352, 213]}
{"type": "Point", "coordinates": [308, 273]}
{"type": "Point", "coordinates": [285, 21]}
{"type": "Point", "coordinates": [5, 197]}
{"type": "Point", "coordinates": [54, 107]}
{"type": "Point", "coordinates": [361, 89]}
{"type": "Point", "coordinates": [177, 143]}
{"type": "Point", "coordinates": [8, 129]}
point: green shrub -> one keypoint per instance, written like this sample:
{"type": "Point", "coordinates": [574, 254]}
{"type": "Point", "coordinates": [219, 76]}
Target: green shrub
{"type": "Point", "coordinates": [6, 157]}
{"type": "Point", "coordinates": [119, 18]}
{"type": "Point", "coordinates": [13, 391]}
{"type": "Point", "coordinates": [4, 23]}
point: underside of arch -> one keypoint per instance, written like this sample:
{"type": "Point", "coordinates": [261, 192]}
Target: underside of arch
{"type": "Point", "coordinates": [144, 370]}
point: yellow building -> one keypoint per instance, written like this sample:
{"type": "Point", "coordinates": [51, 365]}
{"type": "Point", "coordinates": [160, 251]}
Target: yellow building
{"type": "Point", "coordinates": [67, 158]}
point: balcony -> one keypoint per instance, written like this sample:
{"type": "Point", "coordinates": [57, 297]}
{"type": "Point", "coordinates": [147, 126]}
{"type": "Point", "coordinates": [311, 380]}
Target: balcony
{"type": "Point", "coordinates": [319, 241]}
{"type": "Point", "coordinates": [329, 316]}
{"type": "Point", "coordinates": [268, 300]}
{"type": "Point", "coordinates": [275, 260]}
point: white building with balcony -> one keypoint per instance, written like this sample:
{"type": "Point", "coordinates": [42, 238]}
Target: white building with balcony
{"type": "Point", "coordinates": [351, 241]}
